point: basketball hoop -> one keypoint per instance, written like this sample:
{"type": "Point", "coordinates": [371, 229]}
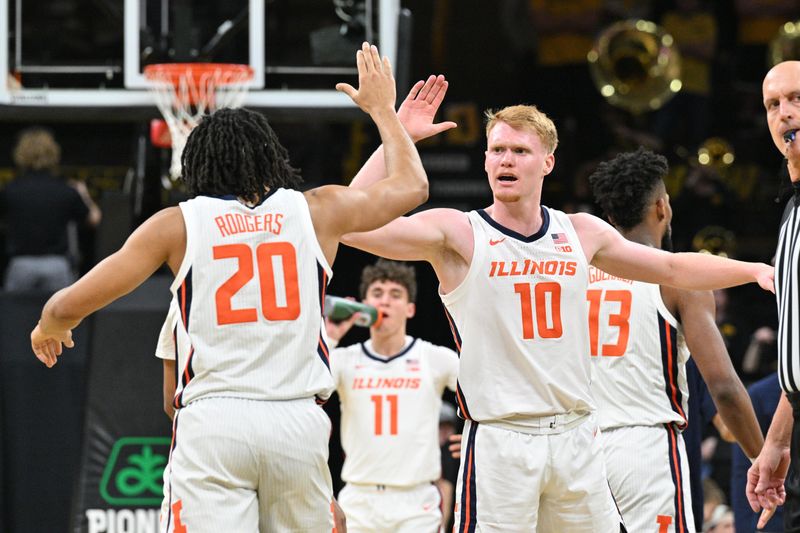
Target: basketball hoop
{"type": "Point", "coordinates": [185, 92]}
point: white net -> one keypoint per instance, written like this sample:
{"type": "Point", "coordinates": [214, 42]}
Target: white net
{"type": "Point", "coordinates": [185, 92]}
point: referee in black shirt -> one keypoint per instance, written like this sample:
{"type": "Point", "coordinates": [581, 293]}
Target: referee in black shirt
{"type": "Point", "coordinates": [768, 484]}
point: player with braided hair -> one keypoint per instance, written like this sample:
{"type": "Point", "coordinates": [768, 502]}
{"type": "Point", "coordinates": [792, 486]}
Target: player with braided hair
{"type": "Point", "coordinates": [251, 260]}
{"type": "Point", "coordinates": [236, 152]}
{"type": "Point", "coordinates": [640, 337]}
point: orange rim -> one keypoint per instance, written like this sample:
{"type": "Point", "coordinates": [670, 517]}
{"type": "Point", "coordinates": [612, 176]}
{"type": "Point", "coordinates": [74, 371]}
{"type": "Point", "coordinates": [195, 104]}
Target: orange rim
{"type": "Point", "coordinates": [173, 72]}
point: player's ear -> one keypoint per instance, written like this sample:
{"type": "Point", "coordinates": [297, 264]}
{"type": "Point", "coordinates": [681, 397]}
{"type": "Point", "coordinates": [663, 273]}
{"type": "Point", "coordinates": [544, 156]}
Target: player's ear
{"type": "Point", "coordinates": [661, 208]}
{"type": "Point", "coordinates": [411, 310]}
{"type": "Point", "coordinates": [549, 163]}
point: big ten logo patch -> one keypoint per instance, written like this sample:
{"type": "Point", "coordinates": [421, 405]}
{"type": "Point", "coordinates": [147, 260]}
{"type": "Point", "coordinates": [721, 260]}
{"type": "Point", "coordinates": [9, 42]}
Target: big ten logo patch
{"type": "Point", "coordinates": [134, 472]}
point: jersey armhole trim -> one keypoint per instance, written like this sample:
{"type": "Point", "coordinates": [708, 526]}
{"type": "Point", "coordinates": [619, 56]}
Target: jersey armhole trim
{"type": "Point", "coordinates": [188, 254]}
{"type": "Point", "coordinates": [308, 224]}
{"type": "Point", "coordinates": [477, 232]}
{"type": "Point", "coordinates": [662, 308]}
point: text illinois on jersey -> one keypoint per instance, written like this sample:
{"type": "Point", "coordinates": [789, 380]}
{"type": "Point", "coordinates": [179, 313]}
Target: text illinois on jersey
{"type": "Point", "coordinates": [233, 223]}
{"type": "Point", "coordinates": [386, 383]}
{"type": "Point", "coordinates": [528, 267]}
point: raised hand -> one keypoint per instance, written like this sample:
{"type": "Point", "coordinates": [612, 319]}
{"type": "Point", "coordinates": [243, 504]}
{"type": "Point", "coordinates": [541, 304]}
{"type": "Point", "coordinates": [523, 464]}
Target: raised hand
{"type": "Point", "coordinates": [420, 107]}
{"type": "Point", "coordinates": [376, 87]}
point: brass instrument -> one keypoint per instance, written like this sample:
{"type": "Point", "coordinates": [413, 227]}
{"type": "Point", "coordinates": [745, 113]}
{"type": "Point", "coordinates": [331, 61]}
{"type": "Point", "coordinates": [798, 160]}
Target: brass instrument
{"type": "Point", "coordinates": [716, 152]}
{"type": "Point", "coordinates": [636, 65]}
{"type": "Point", "coordinates": [715, 240]}
{"type": "Point", "coordinates": [786, 44]}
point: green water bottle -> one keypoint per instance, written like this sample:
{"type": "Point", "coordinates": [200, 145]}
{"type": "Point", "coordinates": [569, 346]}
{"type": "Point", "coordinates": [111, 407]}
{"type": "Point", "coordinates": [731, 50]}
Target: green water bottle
{"type": "Point", "coordinates": [338, 309]}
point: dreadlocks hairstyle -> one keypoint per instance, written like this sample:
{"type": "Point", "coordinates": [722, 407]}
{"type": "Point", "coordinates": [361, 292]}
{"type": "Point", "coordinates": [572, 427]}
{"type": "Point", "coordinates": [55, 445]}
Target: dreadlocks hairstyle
{"type": "Point", "coordinates": [624, 186]}
{"type": "Point", "coordinates": [236, 152]}
{"type": "Point", "coordinates": [385, 270]}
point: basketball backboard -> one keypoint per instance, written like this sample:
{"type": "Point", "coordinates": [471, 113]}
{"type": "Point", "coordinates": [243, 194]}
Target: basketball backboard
{"type": "Point", "coordinates": [70, 55]}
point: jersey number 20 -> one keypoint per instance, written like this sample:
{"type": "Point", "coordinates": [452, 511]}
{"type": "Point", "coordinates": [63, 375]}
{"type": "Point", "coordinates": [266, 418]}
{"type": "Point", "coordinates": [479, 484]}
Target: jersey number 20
{"type": "Point", "coordinates": [266, 256]}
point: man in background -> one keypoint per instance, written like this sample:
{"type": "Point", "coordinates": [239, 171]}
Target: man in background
{"type": "Point", "coordinates": [38, 207]}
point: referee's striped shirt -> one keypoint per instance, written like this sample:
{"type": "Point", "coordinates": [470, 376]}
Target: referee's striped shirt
{"type": "Point", "coordinates": [787, 292]}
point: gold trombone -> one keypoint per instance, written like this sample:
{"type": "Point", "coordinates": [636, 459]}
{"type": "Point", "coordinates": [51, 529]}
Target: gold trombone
{"type": "Point", "coordinates": [636, 65]}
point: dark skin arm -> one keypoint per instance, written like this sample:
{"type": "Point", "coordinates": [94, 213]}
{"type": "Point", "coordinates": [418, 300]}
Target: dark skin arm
{"type": "Point", "coordinates": [169, 387]}
{"type": "Point", "coordinates": [696, 310]}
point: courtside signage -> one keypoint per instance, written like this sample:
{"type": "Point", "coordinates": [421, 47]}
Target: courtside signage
{"type": "Point", "coordinates": [134, 471]}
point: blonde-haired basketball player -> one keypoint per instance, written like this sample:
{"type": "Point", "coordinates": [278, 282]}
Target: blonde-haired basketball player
{"type": "Point", "coordinates": [251, 257]}
{"type": "Point", "coordinates": [640, 336]}
{"type": "Point", "coordinates": [513, 277]}
{"type": "Point", "coordinates": [390, 388]}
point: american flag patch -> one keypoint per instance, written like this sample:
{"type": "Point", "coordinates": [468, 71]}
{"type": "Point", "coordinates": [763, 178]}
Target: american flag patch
{"type": "Point", "coordinates": [559, 238]}
{"type": "Point", "coordinates": [412, 364]}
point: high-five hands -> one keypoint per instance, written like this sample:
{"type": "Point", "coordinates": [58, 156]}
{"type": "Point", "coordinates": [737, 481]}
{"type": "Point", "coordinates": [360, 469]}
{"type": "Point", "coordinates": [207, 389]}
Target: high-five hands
{"type": "Point", "coordinates": [420, 107]}
{"type": "Point", "coordinates": [376, 87]}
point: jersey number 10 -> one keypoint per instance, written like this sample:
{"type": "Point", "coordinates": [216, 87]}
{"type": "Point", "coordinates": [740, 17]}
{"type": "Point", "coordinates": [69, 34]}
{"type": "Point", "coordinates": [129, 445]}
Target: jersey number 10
{"type": "Point", "coordinates": [266, 256]}
{"type": "Point", "coordinates": [546, 300]}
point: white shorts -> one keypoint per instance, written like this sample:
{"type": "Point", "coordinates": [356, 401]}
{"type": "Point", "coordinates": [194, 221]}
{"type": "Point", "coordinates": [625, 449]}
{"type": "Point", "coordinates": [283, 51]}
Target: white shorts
{"type": "Point", "coordinates": [649, 475]}
{"type": "Point", "coordinates": [249, 466]}
{"type": "Point", "coordinates": [552, 483]}
{"type": "Point", "coordinates": [384, 509]}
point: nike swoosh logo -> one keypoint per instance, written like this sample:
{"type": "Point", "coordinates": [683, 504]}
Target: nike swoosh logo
{"type": "Point", "coordinates": [492, 242]}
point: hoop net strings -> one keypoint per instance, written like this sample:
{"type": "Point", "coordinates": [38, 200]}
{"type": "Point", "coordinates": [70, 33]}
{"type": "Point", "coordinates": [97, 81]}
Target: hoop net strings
{"type": "Point", "coordinates": [183, 102]}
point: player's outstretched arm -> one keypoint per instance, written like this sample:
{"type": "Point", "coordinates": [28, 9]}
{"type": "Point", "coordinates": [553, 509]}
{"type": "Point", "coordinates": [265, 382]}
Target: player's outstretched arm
{"type": "Point", "coordinates": [424, 236]}
{"type": "Point", "coordinates": [697, 310]}
{"type": "Point", "coordinates": [609, 251]}
{"type": "Point", "coordinates": [162, 238]}
{"type": "Point", "coordinates": [338, 210]}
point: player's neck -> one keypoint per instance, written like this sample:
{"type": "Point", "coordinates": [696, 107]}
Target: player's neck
{"type": "Point", "coordinates": [388, 344]}
{"type": "Point", "coordinates": [642, 235]}
{"type": "Point", "coordinates": [524, 217]}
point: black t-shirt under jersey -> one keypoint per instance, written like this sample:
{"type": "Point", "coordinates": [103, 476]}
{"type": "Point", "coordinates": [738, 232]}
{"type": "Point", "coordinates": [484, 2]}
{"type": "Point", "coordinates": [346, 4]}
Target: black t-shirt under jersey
{"type": "Point", "coordinates": [37, 208]}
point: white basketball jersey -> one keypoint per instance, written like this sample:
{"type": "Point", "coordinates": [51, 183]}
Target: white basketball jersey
{"type": "Point", "coordinates": [249, 294]}
{"type": "Point", "coordinates": [390, 411]}
{"type": "Point", "coordinates": [638, 354]}
{"type": "Point", "coordinates": [519, 320]}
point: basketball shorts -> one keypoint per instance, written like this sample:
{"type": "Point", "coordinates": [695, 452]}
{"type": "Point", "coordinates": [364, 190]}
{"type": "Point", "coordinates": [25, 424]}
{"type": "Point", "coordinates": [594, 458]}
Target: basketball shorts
{"type": "Point", "coordinates": [384, 509]}
{"type": "Point", "coordinates": [249, 466]}
{"type": "Point", "coordinates": [550, 482]}
{"type": "Point", "coordinates": [649, 475]}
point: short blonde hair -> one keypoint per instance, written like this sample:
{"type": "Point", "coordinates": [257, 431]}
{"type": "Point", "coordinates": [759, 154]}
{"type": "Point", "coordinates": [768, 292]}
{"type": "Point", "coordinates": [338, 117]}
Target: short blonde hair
{"type": "Point", "coordinates": [37, 150]}
{"type": "Point", "coordinates": [525, 117]}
